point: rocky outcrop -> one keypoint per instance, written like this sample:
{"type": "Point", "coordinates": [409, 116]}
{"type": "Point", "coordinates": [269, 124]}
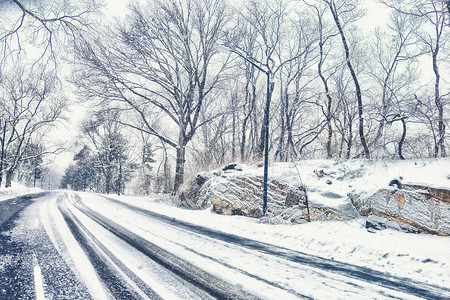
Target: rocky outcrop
{"type": "Point", "coordinates": [232, 192]}
{"type": "Point", "coordinates": [189, 196]}
{"type": "Point", "coordinates": [242, 195]}
{"type": "Point", "coordinates": [413, 207]}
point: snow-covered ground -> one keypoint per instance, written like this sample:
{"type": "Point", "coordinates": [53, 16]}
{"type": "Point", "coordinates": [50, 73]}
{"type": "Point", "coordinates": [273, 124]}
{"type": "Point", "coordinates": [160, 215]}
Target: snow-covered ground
{"type": "Point", "coordinates": [421, 257]}
{"type": "Point", "coordinates": [15, 190]}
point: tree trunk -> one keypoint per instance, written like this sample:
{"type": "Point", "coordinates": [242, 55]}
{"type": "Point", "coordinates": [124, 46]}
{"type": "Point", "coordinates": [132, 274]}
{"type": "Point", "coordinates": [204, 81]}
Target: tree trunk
{"type": "Point", "coordinates": [402, 140]}
{"type": "Point", "coordinates": [290, 145]}
{"type": "Point", "coordinates": [179, 169]}
{"type": "Point", "coordinates": [350, 139]}
{"type": "Point", "coordinates": [437, 99]}
{"type": "Point", "coordinates": [9, 174]}
{"type": "Point", "coordinates": [244, 136]}
{"type": "Point", "coordinates": [262, 136]}
{"type": "Point", "coordinates": [2, 154]}
{"type": "Point", "coordinates": [327, 92]}
{"type": "Point", "coordinates": [252, 98]}
{"type": "Point", "coordinates": [355, 80]}
{"type": "Point", "coordinates": [119, 188]}
{"type": "Point", "coordinates": [167, 175]}
{"type": "Point", "coordinates": [281, 153]}
{"type": "Point", "coordinates": [341, 145]}
{"type": "Point", "coordinates": [233, 145]}
{"type": "Point", "coordinates": [262, 132]}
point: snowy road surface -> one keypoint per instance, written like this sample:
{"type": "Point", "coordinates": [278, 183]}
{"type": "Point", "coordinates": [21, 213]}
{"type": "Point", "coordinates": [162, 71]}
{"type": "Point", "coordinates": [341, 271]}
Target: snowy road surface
{"type": "Point", "coordinates": [63, 245]}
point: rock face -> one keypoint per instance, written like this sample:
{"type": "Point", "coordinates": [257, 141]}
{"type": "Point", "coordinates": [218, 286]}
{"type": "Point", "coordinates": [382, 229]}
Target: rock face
{"type": "Point", "coordinates": [242, 195]}
{"type": "Point", "coordinates": [189, 196]}
{"type": "Point", "coordinates": [231, 192]}
{"type": "Point", "coordinates": [414, 208]}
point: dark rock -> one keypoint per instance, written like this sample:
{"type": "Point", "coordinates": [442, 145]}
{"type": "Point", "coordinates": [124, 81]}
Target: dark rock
{"type": "Point", "coordinates": [320, 173]}
{"type": "Point", "coordinates": [329, 182]}
{"type": "Point", "coordinates": [375, 222]}
{"type": "Point", "coordinates": [396, 183]}
{"type": "Point", "coordinates": [202, 178]}
{"type": "Point", "coordinates": [232, 167]}
{"type": "Point", "coordinates": [331, 195]}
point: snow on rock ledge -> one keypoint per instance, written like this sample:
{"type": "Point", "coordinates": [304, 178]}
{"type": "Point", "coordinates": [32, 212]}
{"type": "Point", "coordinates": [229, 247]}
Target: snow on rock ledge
{"type": "Point", "coordinates": [336, 190]}
{"type": "Point", "coordinates": [240, 193]}
{"type": "Point", "coordinates": [415, 208]}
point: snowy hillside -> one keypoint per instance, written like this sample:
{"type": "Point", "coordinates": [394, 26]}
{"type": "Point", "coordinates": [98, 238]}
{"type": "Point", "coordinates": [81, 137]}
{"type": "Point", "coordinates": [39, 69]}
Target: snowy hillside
{"type": "Point", "coordinates": [359, 176]}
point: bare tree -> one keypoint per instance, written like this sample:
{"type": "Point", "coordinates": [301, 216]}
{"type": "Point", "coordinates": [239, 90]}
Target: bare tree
{"type": "Point", "coordinates": [164, 64]}
{"type": "Point", "coordinates": [434, 39]}
{"type": "Point", "coordinates": [294, 56]}
{"type": "Point", "coordinates": [336, 11]}
{"type": "Point", "coordinates": [248, 37]}
{"type": "Point", "coordinates": [346, 111]}
{"type": "Point", "coordinates": [42, 25]}
{"type": "Point", "coordinates": [264, 24]}
{"type": "Point", "coordinates": [435, 44]}
{"type": "Point", "coordinates": [325, 35]}
{"type": "Point", "coordinates": [29, 102]}
{"type": "Point", "coordinates": [419, 8]}
{"type": "Point", "coordinates": [395, 53]}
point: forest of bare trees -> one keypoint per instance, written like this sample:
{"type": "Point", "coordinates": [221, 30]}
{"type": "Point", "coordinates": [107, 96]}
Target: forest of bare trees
{"type": "Point", "coordinates": [178, 86]}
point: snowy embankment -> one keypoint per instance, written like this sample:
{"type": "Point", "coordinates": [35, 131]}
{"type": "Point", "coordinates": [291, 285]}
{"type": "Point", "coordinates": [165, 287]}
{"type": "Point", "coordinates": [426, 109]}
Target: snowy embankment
{"type": "Point", "coordinates": [420, 257]}
{"type": "Point", "coordinates": [16, 190]}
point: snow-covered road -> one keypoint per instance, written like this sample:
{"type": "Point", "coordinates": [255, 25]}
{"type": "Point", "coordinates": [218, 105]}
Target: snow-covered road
{"type": "Point", "coordinates": [76, 245]}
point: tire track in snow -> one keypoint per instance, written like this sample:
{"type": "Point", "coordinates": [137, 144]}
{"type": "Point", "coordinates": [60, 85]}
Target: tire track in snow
{"type": "Point", "coordinates": [30, 265]}
{"type": "Point", "coordinates": [79, 258]}
{"type": "Point", "coordinates": [185, 270]}
{"type": "Point", "coordinates": [136, 288]}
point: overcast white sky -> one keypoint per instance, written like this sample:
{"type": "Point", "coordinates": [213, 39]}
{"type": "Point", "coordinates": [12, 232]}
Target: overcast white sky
{"type": "Point", "coordinates": [377, 14]}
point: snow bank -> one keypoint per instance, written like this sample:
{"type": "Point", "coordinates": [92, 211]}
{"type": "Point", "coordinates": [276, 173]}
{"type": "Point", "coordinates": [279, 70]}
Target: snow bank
{"type": "Point", "coordinates": [15, 190]}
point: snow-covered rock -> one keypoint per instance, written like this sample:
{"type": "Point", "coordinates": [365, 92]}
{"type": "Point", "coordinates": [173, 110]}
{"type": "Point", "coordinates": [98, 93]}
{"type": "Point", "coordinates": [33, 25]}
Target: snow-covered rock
{"type": "Point", "coordinates": [242, 195]}
{"type": "Point", "coordinates": [414, 207]}
{"type": "Point", "coordinates": [358, 188]}
{"type": "Point", "coordinates": [189, 196]}
{"type": "Point", "coordinates": [234, 191]}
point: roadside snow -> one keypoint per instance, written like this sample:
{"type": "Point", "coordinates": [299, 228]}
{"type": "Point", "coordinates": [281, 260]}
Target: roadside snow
{"type": "Point", "coordinates": [16, 190]}
{"type": "Point", "coordinates": [420, 257]}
